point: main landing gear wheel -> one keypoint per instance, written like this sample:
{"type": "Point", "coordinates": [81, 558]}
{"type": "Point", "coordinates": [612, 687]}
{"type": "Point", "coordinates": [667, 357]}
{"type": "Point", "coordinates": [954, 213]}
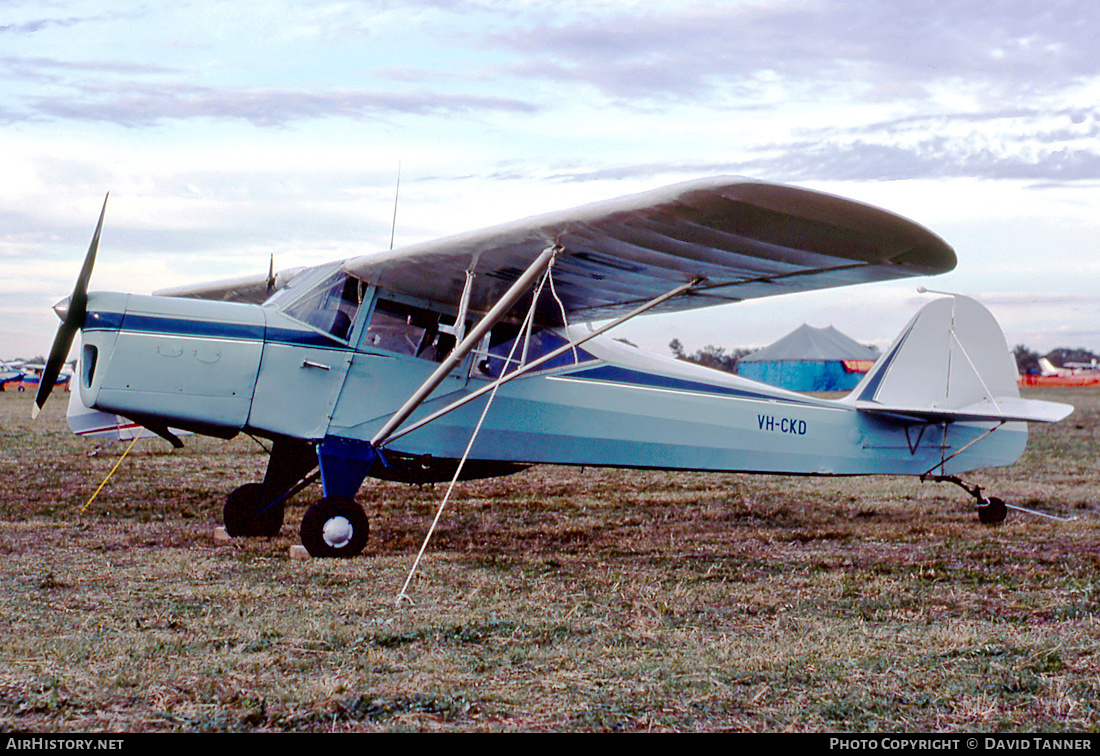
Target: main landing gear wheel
{"type": "Point", "coordinates": [992, 512]}
{"type": "Point", "coordinates": [334, 527]}
{"type": "Point", "coordinates": [245, 515]}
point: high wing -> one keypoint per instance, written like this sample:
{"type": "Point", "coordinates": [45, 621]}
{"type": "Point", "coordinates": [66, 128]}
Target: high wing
{"type": "Point", "coordinates": [741, 239]}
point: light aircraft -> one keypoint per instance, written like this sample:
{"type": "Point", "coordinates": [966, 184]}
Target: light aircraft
{"type": "Point", "coordinates": [384, 365]}
{"type": "Point", "coordinates": [32, 375]}
{"type": "Point", "coordinates": [11, 374]}
{"type": "Point", "coordinates": [1071, 374]}
{"type": "Point", "coordinates": [1047, 368]}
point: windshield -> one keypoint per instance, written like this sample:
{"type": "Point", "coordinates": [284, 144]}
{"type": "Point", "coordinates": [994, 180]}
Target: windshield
{"type": "Point", "coordinates": [306, 279]}
{"type": "Point", "coordinates": [329, 304]}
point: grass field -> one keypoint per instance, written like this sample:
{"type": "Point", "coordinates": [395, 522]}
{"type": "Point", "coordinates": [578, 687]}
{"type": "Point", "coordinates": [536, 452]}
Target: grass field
{"type": "Point", "coordinates": [556, 599]}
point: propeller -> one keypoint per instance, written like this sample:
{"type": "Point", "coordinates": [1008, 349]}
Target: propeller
{"type": "Point", "coordinates": [72, 317]}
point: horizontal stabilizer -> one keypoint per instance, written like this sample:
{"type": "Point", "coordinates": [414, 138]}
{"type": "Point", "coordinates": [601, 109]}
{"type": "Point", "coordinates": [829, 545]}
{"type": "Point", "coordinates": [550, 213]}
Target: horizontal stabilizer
{"type": "Point", "coordinates": [1001, 408]}
{"type": "Point", "coordinates": [950, 364]}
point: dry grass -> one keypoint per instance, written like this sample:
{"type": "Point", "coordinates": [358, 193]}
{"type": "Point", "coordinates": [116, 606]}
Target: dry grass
{"type": "Point", "coordinates": [557, 599]}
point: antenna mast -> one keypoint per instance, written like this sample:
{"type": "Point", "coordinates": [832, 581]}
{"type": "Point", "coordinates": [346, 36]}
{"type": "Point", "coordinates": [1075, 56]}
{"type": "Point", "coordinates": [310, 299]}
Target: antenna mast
{"type": "Point", "coordinates": [396, 194]}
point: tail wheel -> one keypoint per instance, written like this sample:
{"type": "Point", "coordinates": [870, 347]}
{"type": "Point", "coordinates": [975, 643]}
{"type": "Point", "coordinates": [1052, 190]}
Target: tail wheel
{"type": "Point", "coordinates": [334, 527]}
{"type": "Point", "coordinates": [992, 512]}
{"type": "Point", "coordinates": [245, 513]}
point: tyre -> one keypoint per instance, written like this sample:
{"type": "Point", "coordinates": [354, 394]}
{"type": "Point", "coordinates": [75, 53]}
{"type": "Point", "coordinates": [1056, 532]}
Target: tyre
{"type": "Point", "coordinates": [334, 527]}
{"type": "Point", "coordinates": [245, 515]}
{"type": "Point", "coordinates": [992, 512]}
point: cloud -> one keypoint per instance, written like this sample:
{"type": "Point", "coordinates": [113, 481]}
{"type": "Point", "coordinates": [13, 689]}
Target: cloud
{"type": "Point", "coordinates": [120, 93]}
{"type": "Point", "coordinates": [888, 48]}
{"type": "Point", "coordinates": [935, 158]}
{"type": "Point", "coordinates": [49, 69]}
{"type": "Point", "coordinates": [1046, 147]}
{"type": "Point", "coordinates": [872, 89]}
{"type": "Point", "coordinates": [1039, 299]}
{"type": "Point", "coordinates": [144, 105]}
{"type": "Point", "coordinates": [36, 25]}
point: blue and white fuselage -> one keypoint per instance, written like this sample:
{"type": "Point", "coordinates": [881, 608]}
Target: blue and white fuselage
{"type": "Point", "coordinates": [385, 365]}
{"type": "Point", "coordinates": [223, 368]}
{"type": "Point", "coordinates": [622, 406]}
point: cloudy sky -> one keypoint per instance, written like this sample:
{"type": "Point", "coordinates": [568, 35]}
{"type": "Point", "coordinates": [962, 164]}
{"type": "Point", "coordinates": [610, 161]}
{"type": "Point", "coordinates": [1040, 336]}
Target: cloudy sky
{"type": "Point", "coordinates": [226, 131]}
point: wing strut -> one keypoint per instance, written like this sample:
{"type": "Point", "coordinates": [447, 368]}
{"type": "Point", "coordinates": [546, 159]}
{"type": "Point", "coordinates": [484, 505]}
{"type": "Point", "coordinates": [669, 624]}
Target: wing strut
{"type": "Point", "coordinates": [384, 437]}
{"type": "Point", "coordinates": [492, 387]}
{"type": "Point", "coordinates": [403, 596]}
{"type": "Point", "coordinates": [502, 306]}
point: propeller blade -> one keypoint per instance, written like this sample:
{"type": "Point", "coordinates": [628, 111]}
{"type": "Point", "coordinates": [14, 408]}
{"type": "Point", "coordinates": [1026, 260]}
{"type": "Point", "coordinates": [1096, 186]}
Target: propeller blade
{"type": "Point", "coordinates": [60, 350]}
{"type": "Point", "coordinates": [73, 321]}
{"type": "Point", "coordinates": [78, 306]}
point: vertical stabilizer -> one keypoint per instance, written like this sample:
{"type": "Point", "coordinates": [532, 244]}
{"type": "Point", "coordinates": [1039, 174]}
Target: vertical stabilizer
{"type": "Point", "coordinates": [951, 362]}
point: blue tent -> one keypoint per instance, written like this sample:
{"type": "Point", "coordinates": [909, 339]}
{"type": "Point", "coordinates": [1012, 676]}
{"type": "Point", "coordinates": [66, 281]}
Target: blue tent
{"type": "Point", "coordinates": [810, 359]}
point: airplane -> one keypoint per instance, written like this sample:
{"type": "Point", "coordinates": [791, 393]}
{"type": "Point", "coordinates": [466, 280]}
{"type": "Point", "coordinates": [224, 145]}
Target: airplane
{"type": "Point", "coordinates": [11, 373]}
{"type": "Point", "coordinates": [1047, 368]}
{"type": "Point", "coordinates": [1072, 374]}
{"type": "Point", "coordinates": [32, 373]}
{"type": "Point", "coordinates": [387, 365]}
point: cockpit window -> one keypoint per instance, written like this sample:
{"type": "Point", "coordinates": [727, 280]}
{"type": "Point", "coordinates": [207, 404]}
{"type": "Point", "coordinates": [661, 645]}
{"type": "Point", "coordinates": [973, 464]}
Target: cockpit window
{"type": "Point", "coordinates": [329, 305]}
{"type": "Point", "coordinates": [542, 342]}
{"type": "Point", "coordinates": [402, 328]}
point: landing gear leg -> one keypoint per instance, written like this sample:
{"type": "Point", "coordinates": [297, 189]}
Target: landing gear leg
{"type": "Point", "coordinates": [336, 526]}
{"type": "Point", "coordinates": [991, 510]}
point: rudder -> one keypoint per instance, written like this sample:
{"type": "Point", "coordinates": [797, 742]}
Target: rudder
{"type": "Point", "coordinates": [950, 362]}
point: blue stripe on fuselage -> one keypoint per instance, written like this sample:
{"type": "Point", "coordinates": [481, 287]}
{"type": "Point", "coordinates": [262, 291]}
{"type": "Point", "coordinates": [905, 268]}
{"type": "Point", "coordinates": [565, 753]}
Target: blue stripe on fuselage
{"type": "Point", "coordinates": [103, 321]}
{"type": "Point", "coordinates": [153, 324]}
{"type": "Point", "coordinates": [200, 328]}
{"type": "Point", "coordinates": [615, 374]}
{"type": "Point", "coordinates": [305, 338]}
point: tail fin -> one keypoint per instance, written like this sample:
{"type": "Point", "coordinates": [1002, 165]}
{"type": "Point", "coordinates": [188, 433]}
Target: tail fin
{"type": "Point", "coordinates": [950, 363]}
{"type": "Point", "coordinates": [1046, 367]}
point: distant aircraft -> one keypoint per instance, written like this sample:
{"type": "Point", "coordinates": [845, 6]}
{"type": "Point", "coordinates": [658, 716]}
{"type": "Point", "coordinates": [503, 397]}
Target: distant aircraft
{"type": "Point", "coordinates": [32, 375]}
{"type": "Point", "coordinates": [1070, 368]}
{"type": "Point", "coordinates": [384, 365]}
{"type": "Point", "coordinates": [11, 374]}
{"type": "Point", "coordinates": [1073, 374]}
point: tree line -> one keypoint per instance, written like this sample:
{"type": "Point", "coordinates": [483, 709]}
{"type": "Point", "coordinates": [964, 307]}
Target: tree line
{"type": "Point", "coordinates": [1027, 360]}
{"type": "Point", "coordinates": [710, 356]}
